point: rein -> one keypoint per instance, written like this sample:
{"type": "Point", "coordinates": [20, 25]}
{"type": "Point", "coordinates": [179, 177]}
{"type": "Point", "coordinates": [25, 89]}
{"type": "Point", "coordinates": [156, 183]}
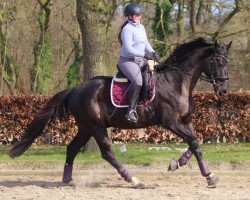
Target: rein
{"type": "Point", "coordinates": [205, 78]}
{"type": "Point", "coordinates": [202, 77]}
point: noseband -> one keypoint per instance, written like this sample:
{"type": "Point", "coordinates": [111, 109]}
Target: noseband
{"type": "Point", "coordinates": [213, 78]}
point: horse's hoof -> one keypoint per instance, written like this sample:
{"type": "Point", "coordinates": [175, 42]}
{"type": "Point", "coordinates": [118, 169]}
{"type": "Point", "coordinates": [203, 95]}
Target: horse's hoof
{"type": "Point", "coordinates": [69, 182]}
{"type": "Point", "coordinates": [137, 184]}
{"type": "Point", "coordinates": [174, 165]}
{"type": "Point", "coordinates": [212, 181]}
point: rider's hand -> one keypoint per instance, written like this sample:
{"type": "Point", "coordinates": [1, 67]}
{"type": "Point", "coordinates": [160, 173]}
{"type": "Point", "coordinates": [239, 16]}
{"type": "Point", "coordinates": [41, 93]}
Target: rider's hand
{"type": "Point", "coordinates": [149, 56]}
{"type": "Point", "coordinates": [156, 56]}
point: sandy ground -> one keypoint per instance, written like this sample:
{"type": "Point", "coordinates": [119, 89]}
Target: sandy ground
{"type": "Point", "coordinates": [103, 182]}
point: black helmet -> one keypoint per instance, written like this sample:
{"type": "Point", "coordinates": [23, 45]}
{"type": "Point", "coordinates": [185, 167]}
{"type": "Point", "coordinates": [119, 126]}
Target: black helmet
{"type": "Point", "coordinates": [132, 9]}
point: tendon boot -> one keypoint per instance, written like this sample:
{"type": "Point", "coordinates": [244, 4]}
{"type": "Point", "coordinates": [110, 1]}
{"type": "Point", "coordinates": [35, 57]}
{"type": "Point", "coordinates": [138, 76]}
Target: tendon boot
{"type": "Point", "coordinates": [133, 97]}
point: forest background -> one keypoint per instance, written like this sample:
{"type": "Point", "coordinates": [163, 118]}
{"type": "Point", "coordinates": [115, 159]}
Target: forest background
{"type": "Point", "coordinates": [50, 45]}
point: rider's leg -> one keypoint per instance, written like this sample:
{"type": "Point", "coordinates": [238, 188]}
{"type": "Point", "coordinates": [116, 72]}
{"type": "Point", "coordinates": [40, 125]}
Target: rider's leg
{"type": "Point", "coordinates": [133, 72]}
{"type": "Point", "coordinates": [133, 94]}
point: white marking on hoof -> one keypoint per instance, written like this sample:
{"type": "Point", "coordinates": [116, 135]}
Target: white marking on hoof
{"type": "Point", "coordinates": [212, 181]}
{"type": "Point", "coordinates": [137, 183]}
{"type": "Point", "coordinates": [174, 165]}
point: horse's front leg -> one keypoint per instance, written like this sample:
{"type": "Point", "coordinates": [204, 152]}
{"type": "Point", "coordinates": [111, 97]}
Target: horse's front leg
{"type": "Point", "coordinates": [183, 160]}
{"type": "Point", "coordinates": [188, 135]}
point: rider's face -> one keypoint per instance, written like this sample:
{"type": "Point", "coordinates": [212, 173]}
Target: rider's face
{"type": "Point", "coordinates": [135, 18]}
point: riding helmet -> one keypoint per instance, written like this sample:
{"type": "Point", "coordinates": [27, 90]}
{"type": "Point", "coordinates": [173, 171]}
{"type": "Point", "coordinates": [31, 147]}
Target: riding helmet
{"type": "Point", "coordinates": [132, 9]}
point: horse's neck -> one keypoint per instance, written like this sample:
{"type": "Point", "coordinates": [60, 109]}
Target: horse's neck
{"type": "Point", "coordinates": [180, 79]}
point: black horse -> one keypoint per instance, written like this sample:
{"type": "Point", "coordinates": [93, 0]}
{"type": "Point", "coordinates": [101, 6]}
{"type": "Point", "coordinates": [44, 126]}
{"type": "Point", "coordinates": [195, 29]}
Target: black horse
{"type": "Point", "coordinates": [90, 104]}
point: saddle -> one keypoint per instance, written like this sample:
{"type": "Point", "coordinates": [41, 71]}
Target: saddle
{"type": "Point", "coordinates": [120, 86]}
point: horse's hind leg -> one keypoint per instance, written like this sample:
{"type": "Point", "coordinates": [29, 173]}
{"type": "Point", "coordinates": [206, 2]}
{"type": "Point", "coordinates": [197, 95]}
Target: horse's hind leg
{"type": "Point", "coordinates": [73, 148]}
{"type": "Point", "coordinates": [104, 143]}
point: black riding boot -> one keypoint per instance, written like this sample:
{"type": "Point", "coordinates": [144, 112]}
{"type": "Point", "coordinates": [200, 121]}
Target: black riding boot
{"type": "Point", "coordinates": [133, 96]}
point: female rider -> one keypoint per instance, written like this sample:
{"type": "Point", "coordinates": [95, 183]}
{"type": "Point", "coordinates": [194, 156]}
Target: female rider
{"type": "Point", "coordinates": [135, 51]}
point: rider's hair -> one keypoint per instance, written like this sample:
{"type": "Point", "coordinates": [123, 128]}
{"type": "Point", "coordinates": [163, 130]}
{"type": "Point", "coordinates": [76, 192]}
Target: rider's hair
{"type": "Point", "coordinates": [120, 32]}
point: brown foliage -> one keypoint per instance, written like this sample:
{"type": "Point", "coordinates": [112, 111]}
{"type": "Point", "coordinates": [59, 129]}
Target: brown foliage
{"type": "Point", "coordinates": [225, 119]}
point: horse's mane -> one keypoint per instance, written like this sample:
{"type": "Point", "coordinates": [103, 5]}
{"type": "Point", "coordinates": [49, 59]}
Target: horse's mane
{"type": "Point", "coordinates": [181, 52]}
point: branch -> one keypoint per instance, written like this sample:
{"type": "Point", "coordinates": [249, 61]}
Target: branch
{"type": "Point", "coordinates": [111, 14]}
{"type": "Point", "coordinates": [230, 34]}
{"type": "Point", "coordinates": [227, 19]}
{"type": "Point", "coordinates": [45, 5]}
{"type": "Point", "coordinates": [199, 12]}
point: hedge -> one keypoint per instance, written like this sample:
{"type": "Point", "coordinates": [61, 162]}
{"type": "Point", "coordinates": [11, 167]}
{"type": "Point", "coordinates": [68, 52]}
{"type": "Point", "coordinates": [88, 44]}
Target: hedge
{"type": "Point", "coordinates": [225, 119]}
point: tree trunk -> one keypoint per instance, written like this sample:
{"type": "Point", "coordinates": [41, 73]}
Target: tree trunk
{"type": "Point", "coordinates": [180, 19]}
{"type": "Point", "coordinates": [42, 68]}
{"type": "Point", "coordinates": [200, 12]}
{"type": "Point", "coordinates": [93, 22]}
{"type": "Point", "coordinates": [9, 71]}
{"type": "Point", "coordinates": [192, 16]}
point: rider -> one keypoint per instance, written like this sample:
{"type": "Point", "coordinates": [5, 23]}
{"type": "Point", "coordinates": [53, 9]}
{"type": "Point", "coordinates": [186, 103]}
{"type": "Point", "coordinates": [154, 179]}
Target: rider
{"type": "Point", "coordinates": [135, 51]}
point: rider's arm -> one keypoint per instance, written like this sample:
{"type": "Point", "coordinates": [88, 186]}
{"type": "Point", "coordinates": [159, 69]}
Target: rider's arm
{"type": "Point", "coordinates": [148, 47]}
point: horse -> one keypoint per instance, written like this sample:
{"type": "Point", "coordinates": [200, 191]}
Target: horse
{"type": "Point", "coordinates": [172, 107]}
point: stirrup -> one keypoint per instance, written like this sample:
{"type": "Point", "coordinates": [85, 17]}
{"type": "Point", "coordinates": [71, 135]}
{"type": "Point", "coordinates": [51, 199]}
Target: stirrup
{"type": "Point", "coordinates": [128, 116]}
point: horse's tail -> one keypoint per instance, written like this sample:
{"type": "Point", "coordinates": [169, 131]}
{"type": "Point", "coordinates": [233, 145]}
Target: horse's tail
{"type": "Point", "coordinates": [56, 107]}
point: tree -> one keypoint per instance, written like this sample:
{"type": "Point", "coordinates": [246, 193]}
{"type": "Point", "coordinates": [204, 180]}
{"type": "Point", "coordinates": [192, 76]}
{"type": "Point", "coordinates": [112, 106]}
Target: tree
{"type": "Point", "coordinates": [161, 26]}
{"type": "Point", "coordinates": [180, 19]}
{"type": "Point", "coordinates": [73, 73]}
{"type": "Point", "coordinates": [41, 72]}
{"type": "Point", "coordinates": [9, 70]}
{"type": "Point", "coordinates": [93, 18]}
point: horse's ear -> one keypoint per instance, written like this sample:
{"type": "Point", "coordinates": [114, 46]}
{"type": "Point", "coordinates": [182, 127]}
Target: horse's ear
{"type": "Point", "coordinates": [229, 45]}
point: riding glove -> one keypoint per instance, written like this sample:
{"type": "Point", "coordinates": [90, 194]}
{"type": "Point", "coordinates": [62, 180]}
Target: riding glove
{"type": "Point", "coordinates": [151, 56]}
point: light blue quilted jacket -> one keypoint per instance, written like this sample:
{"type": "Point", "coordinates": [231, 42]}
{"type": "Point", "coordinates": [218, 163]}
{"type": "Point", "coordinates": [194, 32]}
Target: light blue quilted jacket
{"type": "Point", "coordinates": [134, 41]}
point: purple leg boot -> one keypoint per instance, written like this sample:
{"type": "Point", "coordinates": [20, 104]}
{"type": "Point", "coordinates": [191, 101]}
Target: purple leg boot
{"type": "Point", "coordinates": [67, 173]}
{"type": "Point", "coordinates": [212, 180]}
{"type": "Point", "coordinates": [125, 174]}
{"type": "Point", "coordinates": [176, 164]}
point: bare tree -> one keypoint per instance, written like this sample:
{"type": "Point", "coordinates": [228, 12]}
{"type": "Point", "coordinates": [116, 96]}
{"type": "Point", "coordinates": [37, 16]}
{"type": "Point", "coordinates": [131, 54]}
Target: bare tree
{"type": "Point", "coordinates": [223, 23]}
{"type": "Point", "coordinates": [180, 19]}
{"type": "Point", "coordinates": [9, 70]}
{"type": "Point", "coordinates": [40, 73]}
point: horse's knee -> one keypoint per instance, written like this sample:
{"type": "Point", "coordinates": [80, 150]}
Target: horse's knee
{"type": "Point", "coordinates": [193, 145]}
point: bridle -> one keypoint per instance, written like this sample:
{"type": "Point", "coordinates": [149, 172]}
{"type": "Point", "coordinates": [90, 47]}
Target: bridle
{"type": "Point", "coordinates": [213, 79]}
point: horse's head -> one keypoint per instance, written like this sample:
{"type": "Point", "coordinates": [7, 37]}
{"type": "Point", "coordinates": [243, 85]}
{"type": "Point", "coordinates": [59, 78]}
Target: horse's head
{"type": "Point", "coordinates": [217, 70]}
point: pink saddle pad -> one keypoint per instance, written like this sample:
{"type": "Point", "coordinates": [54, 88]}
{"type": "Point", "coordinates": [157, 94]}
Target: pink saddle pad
{"type": "Point", "coordinates": [119, 93]}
